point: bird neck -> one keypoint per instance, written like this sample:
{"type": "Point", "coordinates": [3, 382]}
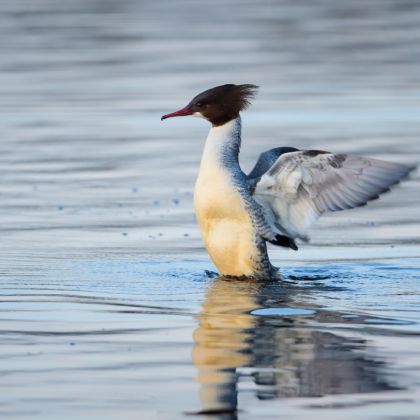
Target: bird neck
{"type": "Point", "coordinates": [223, 144]}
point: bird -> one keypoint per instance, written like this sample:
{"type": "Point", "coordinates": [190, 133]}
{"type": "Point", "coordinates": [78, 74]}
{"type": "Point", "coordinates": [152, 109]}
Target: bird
{"type": "Point", "coordinates": [285, 192]}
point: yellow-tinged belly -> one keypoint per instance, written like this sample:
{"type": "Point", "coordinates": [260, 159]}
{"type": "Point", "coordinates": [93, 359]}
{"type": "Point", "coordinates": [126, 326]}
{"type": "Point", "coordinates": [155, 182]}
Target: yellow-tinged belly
{"type": "Point", "coordinates": [225, 225]}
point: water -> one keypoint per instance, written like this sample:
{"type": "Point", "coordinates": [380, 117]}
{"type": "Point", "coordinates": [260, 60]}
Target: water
{"type": "Point", "coordinates": [106, 308]}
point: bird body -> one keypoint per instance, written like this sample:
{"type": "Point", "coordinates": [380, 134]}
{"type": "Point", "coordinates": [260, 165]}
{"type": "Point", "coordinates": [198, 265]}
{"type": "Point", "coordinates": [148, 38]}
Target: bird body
{"type": "Point", "coordinates": [287, 190]}
{"type": "Point", "coordinates": [221, 195]}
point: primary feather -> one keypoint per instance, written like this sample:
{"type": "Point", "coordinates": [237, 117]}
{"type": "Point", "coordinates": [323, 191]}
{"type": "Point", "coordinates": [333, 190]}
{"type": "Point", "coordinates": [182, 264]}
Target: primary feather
{"type": "Point", "coordinates": [301, 185]}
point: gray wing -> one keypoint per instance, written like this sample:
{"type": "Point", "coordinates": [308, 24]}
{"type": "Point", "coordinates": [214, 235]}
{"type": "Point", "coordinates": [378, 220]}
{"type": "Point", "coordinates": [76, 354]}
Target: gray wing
{"type": "Point", "coordinates": [302, 185]}
{"type": "Point", "coordinates": [266, 160]}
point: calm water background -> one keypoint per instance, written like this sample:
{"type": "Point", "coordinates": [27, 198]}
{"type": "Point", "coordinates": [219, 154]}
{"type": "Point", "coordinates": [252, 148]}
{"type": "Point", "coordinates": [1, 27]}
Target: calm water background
{"type": "Point", "coordinates": [106, 311]}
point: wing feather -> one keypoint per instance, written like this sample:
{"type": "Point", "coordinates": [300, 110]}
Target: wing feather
{"type": "Point", "coordinates": [301, 185]}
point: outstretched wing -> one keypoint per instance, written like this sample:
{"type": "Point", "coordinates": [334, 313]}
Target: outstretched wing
{"type": "Point", "coordinates": [302, 185]}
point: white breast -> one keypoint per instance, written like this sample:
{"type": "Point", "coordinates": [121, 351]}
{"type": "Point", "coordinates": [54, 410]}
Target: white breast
{"type": "Point", "coordinates": [225, 224]}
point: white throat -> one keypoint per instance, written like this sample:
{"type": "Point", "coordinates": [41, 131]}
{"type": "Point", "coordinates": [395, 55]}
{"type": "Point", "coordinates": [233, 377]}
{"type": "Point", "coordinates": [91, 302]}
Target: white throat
{"type": "Point", "coordinates": [222, 145]}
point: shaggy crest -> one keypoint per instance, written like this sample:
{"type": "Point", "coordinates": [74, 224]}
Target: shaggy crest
{"type": "Point", "coordinates": [223, 103]}
{"type": "Point", "coordinates": [219, 104]}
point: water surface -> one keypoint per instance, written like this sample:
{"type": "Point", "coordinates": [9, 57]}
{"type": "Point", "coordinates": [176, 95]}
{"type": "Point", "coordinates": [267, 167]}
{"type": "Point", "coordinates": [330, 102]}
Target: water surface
{"type": "Point", "coordinates": [108, 309]}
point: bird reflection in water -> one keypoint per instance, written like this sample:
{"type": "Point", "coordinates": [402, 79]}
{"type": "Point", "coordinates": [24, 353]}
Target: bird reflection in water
{"type": "Point", "coordinates": [274, 356]}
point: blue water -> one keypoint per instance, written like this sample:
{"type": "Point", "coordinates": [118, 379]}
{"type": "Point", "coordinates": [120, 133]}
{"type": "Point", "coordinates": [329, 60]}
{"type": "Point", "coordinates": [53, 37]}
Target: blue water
{"type": "Point", "coordinates": [108, 305]}
{"type": "Point", "coordinates": [146, 334]}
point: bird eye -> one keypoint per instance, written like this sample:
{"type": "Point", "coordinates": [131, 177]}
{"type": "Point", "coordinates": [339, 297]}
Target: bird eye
{"type": "Point", "coordinates": [198, 104]}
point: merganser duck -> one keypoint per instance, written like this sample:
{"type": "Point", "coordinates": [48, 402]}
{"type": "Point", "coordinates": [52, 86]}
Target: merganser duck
{"type": "Point", "coordinates": [286, 191]}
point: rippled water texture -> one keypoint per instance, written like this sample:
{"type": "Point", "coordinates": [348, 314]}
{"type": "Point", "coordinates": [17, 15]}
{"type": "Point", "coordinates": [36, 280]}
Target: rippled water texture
{"type": "Point", "coordinates": [109, 308]}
